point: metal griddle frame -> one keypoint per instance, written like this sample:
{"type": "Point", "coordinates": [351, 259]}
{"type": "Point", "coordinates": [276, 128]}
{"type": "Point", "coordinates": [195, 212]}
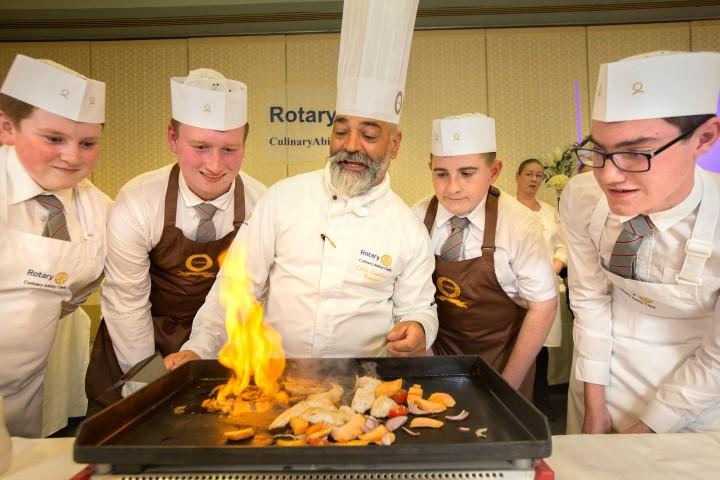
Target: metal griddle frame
{"type": "Point", "coordinates": [142, 434]}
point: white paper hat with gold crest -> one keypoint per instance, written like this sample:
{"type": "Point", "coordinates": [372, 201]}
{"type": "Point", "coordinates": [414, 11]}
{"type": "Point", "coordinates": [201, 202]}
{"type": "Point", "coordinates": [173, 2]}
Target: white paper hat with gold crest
{"type": "Point", "coordinates": [463, 135]}
{"type": "Point", "coordinates": [206, 99]}
{"type": "Point", "coordinates": [658, 85]}
{"type": "Point", "coordinates": [374, 51]}
{"type": "Point", "coordinates": [55, 88]}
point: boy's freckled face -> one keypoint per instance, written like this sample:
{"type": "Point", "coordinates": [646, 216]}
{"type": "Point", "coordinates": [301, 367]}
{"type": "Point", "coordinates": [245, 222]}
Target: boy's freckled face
{"type": "Point", "coordinates": [462, 181]}
{"type": "Point", "coordinates": [57, 152]}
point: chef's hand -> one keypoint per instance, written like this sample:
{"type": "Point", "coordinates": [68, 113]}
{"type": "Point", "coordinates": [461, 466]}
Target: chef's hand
{"type": "Point", "coordinates": [639, 427]}
{"type": "Point", "coordinates": [407, 339]}
{"type": "Point", "coordinates": [174, 360]}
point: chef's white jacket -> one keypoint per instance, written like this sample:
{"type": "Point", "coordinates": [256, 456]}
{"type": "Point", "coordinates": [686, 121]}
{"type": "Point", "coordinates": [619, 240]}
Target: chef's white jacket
{"type": "Point", "coordinates": [134, 228]}
{"type": "Point", "coordinates": [521, 263]}
{"type": "Point", "coordinates": [335, 275]}
{"type": "Point", "coordinates": [681, 396]}
{"type": "Point", "coordinates": [550, 221]}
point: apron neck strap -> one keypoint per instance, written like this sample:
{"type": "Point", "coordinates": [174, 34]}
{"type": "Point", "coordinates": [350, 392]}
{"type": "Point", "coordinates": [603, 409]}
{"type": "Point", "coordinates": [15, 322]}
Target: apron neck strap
{"type": "Point", "coordinates": [171, 197]}
{"type": "Point", "coordinates": [430, 214]}
{"type": "Point", "coordinates": [700, 245]}
{"type": "Point", "coordinates": [491, 214]}
{"type": "Point", "coordinates": [239, 203]}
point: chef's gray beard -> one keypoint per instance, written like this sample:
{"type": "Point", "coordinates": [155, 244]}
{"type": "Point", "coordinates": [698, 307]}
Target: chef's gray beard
{"type": "Point", "coordinates": [348, 183]}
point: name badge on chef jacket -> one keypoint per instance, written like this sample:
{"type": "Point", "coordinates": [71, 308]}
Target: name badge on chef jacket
{"type": "Point", "coordinates": [46, 280]}
{"type": "Point", "coordinates": [372, 266]}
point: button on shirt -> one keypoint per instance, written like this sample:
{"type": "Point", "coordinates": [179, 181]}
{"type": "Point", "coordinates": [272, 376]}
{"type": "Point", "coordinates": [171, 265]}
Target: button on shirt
{"type": "Point", "coordinates": [335, 275]}
{"type": "Point", "coordinates": [659, 259]}
{"type": "Point", "coordinates": [522, 267]}
{"type": "Point", "coordinates": [135, 226]}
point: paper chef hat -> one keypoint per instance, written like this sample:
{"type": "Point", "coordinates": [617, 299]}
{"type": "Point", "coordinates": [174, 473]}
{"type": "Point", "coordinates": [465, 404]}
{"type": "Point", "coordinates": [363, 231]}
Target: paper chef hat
{"type": "Point", "coordinates": [53, 87]}
{"type": "Point", "coordinates": [463, 135]}
{"type": "Point", "coordinates": [374, 52]}
{"type": "Point", "coordinates": [206, 99]}
{"type": "Point", "coordinates": [658, 85]}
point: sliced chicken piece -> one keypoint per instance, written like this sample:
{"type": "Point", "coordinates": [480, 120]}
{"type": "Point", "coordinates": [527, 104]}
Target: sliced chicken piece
{"type": "Point", "coordinates": [331, 416]}
{"type": "Point", "coordinates": [298, 409]}
{"type": "Point", "coordinates": [365, 394]}
{"type": "Point", "coordinates": [382, 406]}
{"type": "Point", "coordinates": [346, 412]}
{"type": "Point", "coordinates": [333, 395]}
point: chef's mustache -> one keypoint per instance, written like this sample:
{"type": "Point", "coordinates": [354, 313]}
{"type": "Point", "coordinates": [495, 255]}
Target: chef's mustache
{"type": "Point", "coordinates": [354, 157]}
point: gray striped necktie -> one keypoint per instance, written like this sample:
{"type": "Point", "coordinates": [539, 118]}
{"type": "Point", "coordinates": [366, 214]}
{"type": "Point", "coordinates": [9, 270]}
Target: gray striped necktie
{"type": "Point", "coordinates": [206, 227]}
{"type": "Point", "coordinates": [55, 225]}
{"type": "Point", "coordinates": [452, 248]}
{"type": "Point", "coordinates": [627, 245]}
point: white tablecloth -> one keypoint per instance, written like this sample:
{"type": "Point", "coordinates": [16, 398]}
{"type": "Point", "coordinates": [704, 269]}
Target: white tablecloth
{"type": "Point", "coordinates": [671, 456]}
{"type": "Point", "coordinates": [64, 383]}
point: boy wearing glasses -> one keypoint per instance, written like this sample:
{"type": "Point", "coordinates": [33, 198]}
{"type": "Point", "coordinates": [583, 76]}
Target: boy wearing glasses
{"type": "Point", "coordinates": [644, 255]}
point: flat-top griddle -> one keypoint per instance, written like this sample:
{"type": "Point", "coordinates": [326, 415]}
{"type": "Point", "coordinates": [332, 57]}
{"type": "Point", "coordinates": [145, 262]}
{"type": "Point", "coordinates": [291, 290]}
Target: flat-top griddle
{"type": "Point", "coordinates": [143, 433]}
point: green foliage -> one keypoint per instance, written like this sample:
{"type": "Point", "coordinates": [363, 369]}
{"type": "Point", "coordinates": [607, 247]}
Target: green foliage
{"type": "Point", "coordinates": [560, 162]}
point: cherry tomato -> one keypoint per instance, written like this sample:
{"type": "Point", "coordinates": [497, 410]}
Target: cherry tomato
{"type": "Point", "coordinates": [400, 397]}
{"type": "Point", "coordinates": [399, 411]}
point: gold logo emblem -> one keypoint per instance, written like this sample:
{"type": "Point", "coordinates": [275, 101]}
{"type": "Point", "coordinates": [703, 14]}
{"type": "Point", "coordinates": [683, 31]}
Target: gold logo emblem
{"type": "Point", "coordinates": [386, 260]}
{"type": "Point", "coordinates": [207, 108]}
{"type": "Point", "coordinates": [197, 266]}
{"type": "Point", "coordinates": [646, 299]}
{"type": "Point", "coordinates": [638, 88]}
{"type": "Point", "coordinates": [398, 102]}
{"type": "Point", "coordinates": [450, 290]}
{"type": "Point", "coordinates": [65, 93]}
{"type": "Point", "coordinates": [61, 278]}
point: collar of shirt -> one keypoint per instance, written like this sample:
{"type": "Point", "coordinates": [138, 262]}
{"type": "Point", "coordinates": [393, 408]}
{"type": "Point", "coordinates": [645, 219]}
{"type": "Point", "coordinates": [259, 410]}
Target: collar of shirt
{"type": "Point", "coordinates": [222, 202]}
{"type": "Point", "coordinates": [23, 187]}
{"type": "Point", "coordinates": [358, 204]}
{"type": "Point", "coordinates": [476, 215]}
{"type": "Point", "coordinates": [667, 218]}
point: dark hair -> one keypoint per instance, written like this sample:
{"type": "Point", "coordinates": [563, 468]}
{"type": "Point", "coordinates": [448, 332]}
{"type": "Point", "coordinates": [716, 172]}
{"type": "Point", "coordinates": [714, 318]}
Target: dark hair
{"type": "Point", "coordinates": [176, 128]}
{"type": "Point", "coordinates": [15, 110]}
{"type": "Point", "coordinates": [688, 122]}
{"type": "Point", "coordinates": [527, 162]}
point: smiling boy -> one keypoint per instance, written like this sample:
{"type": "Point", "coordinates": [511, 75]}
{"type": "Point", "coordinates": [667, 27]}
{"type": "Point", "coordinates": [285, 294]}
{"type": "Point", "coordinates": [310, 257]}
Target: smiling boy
{"type": "Point", "coordinates": [496, 289]}
{"type": "Point", "coordinates": [52, 221]}
{"type": "Point", "coordinates": [644, 250]}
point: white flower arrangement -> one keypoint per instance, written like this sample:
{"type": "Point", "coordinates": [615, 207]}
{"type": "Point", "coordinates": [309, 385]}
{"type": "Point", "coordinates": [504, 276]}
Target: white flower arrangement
{"type": "Point", "coordinates": [559, 165]}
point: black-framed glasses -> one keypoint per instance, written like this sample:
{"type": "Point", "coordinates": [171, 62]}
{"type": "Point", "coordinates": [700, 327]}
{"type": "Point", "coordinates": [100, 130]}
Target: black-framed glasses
{"type": "Point", "coordinates": [625, 161]}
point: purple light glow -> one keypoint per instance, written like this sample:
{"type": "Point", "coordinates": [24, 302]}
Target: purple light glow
{"type": "Point", "coordinates": [578, 115]}
{"type": "Point", "coordinates": [711, 160]}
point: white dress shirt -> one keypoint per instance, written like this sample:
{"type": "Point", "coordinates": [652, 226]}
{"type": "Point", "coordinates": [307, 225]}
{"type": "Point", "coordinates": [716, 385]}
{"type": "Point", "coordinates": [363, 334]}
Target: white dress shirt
{"type": "Point", "coordinates": [659, 260]}
{"type": "Point", "coordinates": [336, 275]}
{"type": "Point", "coordinates": [521, 263]}
{"type": "Point", "coordinates": [134, 228]}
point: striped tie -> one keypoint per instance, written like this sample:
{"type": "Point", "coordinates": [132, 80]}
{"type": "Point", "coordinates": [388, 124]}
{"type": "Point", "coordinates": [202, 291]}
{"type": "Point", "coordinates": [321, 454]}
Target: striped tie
{"type": "Point", "coordinates": [452, 248]}
{"type": "Point", "coordinates": [624, 254]}
{"type": "Point", "coordinates": [55, 226]}
{"type": "Point", "coordinates": [206, 227]}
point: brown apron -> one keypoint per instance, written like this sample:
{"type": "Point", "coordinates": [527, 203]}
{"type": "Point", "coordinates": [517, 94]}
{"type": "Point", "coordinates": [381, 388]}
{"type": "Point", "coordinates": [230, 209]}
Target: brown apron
{"type": "Point", "coordinates": [182, 272]}
{"type": "Point", "coordinates": [476, 315]}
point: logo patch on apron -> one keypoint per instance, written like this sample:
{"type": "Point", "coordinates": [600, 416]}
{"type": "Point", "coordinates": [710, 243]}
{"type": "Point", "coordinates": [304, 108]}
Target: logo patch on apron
{"type": "Point", "coordinates": [450, 291]}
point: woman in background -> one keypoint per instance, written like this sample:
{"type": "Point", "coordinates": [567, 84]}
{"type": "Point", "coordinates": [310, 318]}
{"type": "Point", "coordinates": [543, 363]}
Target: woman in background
{"type": "Point", "coordinates": [529, 178]}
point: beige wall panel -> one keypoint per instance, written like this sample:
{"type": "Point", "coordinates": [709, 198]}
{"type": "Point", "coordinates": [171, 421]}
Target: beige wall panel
{"type": "Point", "coordinates": [311, 83]}
{"type": "Point", "coordinates": [611, 43]}
{"type": "Point", "coordinates": [259, 62]}
{"type": "Point", "coordinates": [137, 74]}
{"type": "Point", "coordinates": [531, 74]}
{"type": "Point", "coordinates": [705, 36]}
{"type": "Point", "coordinates": [446, 76]}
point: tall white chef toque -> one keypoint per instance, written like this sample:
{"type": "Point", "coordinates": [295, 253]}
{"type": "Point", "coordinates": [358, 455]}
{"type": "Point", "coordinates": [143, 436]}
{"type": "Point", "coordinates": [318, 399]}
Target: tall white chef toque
{"type": "Point", "coordinates": [463, 135]}
{"type": "Point", "coordinates": [206, 99]}
{"type": "Point", "coordinates": [55, 88]}
{"type": "Point", "coordinates": [374, 51]}
{"type": "Point", "coordinates": [658, 85]}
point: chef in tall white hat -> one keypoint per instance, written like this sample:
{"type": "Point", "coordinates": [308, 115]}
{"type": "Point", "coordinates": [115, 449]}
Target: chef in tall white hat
{"type": "Point", "coordinates": [644, 250]}
{"type": "Point", "coordinates": [169, 227]}
{"type": "Point", "coordinates": [344, 266]}
{"type": "Point", "coordinates": [52, 221]}
{"type": "Point", "coordinates": [496, 291]}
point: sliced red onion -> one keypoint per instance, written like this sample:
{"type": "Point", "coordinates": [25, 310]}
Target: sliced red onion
{"type": "Point", "coordinates": [371, 423]}
{"type": "Point", "coordinates": [395, 423]}
{"type": "Point", "coordinates": [415, 410]}
{"type": "Point", "coordinates": [459, 417]}
{"type": "Point", "coordinates": [410, 432]}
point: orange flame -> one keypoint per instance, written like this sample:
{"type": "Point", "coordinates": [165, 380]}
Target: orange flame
{"type": "Point", "coordinates": [253, 349]}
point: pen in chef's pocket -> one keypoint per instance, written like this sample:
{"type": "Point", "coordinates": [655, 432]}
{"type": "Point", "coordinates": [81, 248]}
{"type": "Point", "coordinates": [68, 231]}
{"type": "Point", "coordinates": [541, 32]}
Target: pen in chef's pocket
{"type": "Point", "coordinates": [326, 238]}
